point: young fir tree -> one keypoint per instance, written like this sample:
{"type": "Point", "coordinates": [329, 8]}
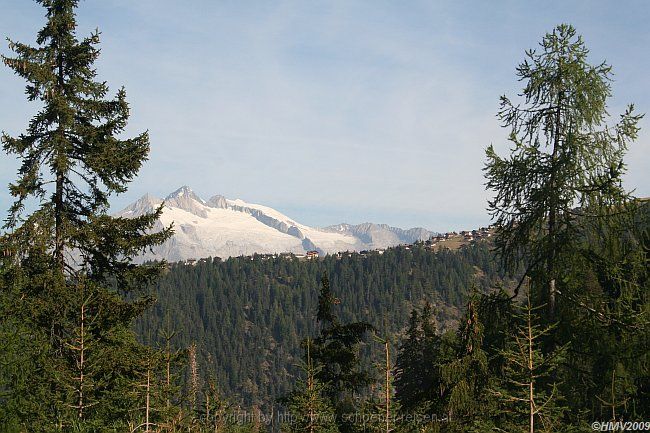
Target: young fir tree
{"type": "Point", "coordinates": [409, 376]}
{"type": "Point", "coordinates": [171, 363]}
{"type": "Point", "coordinates": [148, 392]}
{"type": "Point", "coordinates": [527, 391]}
{"type": "Point", "coordinates": [565, 165]}
{"type": "Point", "coordinates": [214, 416]}
{"type": "Point", "coordinates": [309, 408]}
{"type": "Point", "coordinates": [384, 408]}
{"type": "Point", "coordinates": [466, 377]}
{"type": "Point", "coordinates": [72, 260]}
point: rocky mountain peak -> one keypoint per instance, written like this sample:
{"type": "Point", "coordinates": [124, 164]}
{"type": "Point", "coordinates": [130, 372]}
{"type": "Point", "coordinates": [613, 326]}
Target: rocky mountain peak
{"type": "Point", "coordinates": [145, 204]}
{"type": "Point", "coordinates": [218, 201]}
{"type": "Point", "coordinates": [184, 198]}
{"type": "Point", "coordinates": [224, 228]}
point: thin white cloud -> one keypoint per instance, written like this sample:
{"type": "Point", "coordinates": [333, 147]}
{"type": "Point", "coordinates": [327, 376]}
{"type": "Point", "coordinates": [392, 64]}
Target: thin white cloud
{"type": "Point", "coordinates": [366, 108]}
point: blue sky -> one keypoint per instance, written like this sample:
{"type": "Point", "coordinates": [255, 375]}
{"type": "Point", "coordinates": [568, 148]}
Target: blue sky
{"type": "Point", "coordinates": [332, 111]}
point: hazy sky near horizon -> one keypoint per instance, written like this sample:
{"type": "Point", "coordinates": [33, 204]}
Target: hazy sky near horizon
{"type": "Point", "coordinates": [332, 111]}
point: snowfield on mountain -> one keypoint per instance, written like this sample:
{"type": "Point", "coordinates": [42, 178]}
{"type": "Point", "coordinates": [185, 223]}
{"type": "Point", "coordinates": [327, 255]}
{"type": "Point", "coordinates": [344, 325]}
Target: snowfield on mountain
{"type": "Point", "coordinates": [220, 227]}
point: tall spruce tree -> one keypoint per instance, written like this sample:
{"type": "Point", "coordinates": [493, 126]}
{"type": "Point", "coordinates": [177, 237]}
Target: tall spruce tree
{"type": "Point", "coordinates": [71, 262]}
{"type": "Point", "coordinates": [336, 349]}
{"type": "Point", "coordinates": [418, 382]}
{"type": "Point", "coordinates": [336, 354]}
{"type": "Point", "coordinates": [466, 377]}
{"type": "Point", "coordinates": [566, 162]}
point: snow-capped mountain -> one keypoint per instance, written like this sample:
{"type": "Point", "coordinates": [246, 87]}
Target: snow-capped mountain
{"type": "Point", "coordinates": [220, 227]}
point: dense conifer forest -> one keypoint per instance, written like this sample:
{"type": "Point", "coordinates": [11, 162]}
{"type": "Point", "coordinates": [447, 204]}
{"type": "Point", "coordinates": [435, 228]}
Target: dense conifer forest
{"type": "Point", "coordinates": [545, 330]}
{"type": "Point", "coordinates": [261, 308]}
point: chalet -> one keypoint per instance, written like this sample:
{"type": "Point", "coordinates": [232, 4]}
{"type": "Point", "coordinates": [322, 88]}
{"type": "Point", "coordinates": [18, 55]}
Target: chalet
{"type": "Point", "coordinates": [312, 255]}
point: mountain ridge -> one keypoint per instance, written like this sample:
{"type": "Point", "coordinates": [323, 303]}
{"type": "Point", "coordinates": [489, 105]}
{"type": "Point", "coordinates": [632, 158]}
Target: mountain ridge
{"type": "Point", "coordinates": [222, 227]}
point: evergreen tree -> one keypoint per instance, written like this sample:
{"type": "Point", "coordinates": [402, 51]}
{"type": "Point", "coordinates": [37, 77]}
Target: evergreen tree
{"type": "Point", "coordinates": [408, 371]}
{"type": "Point", "coordinates": [309, 408]}
{"type": "Point", "coordinates": [466, 377]}
{"type": "Point", "coordinates": [418, 382]}
{"type": "Point", "coordinates": [530, 397]}
{"type": "Point", "coordinates": [148, 391]}
{"type": "Point", "coordinates": [336, 349]}
{"type": "Point", "coordinates": [566, 163]}
{"type": "Point", "coordinates": [216, 407]}
{"type": "Point", "coordinates": [336, 353]}
{"type": "Point", "coordinates": [561, 208]}
{"type": "Point", "coordinates": [608, 368]}
{"type": "Point", "coordinates": [72, 261]}
{"type": "Point", "coordinates": [384, 410]}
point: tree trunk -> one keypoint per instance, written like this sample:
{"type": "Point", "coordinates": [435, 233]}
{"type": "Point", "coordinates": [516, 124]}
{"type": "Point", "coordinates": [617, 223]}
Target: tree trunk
{"type": "Point", "coordinates": [194, 378]}
{"type": "Point", "coordinates": [553, 209]}
{"type": "Point", "coordinates": [387, 390]}
{"type": "Point", "coordinates": [551, 299]}
{"type": "Point", "coordinates": [552, 215]}
{"type": "Point", "coordinates": [59, 242]}
{"type": "Point", "coordinates": [310, 389]}
{"type": "Point", "coordinates": [168, 358]}
{"type": "Point", "coordinates": [531, 372]}
{"type": "Point", "coordinates": [82, 365]}
{"type": "Point", "coordinates": [146, 419]}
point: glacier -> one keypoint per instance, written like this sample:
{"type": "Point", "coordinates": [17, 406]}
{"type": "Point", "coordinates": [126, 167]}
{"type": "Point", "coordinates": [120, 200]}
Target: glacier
{"type": "Point", "coordinates": [221, 227]}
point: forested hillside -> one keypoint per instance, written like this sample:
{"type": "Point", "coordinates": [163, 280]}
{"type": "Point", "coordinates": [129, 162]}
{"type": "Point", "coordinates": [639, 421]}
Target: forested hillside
{"type": "Point", "coordinates": [249, 314]}
{"type": "Point", "coordinates": [398, 341]}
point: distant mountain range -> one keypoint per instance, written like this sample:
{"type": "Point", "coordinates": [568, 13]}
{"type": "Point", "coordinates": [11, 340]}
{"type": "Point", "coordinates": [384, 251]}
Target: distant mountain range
{"type": "Point", "coordinates": [221, 227]}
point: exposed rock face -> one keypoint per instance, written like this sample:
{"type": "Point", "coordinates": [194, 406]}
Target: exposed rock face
{"type": "Point", "coordinates": [381, 235]}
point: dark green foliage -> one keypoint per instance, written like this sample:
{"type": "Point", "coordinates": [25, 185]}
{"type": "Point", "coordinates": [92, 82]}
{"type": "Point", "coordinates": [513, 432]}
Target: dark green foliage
{"type": "Point", "coordinates": [466, 377]}
{"type": "Point", "coordinates": [251, 314]}
{"type": "Point", "coordinates": [566, 164]}
{"type": "Point", "coordinates": [336, 353]}
{"type": "Point", "coordinates": [561, 208]}
{"type": "Point", "coordinates": [418, 382]}
{"type": "Point", "coordinates": [67, 265]}
{"type": "Point", "coordinates": [446, 377]}
{"type": "Point", "coordinates": [309, 408]}
{"type": "Point", "coordinates": [336, 349]}
{"type": "Point", "coordinates": [608, 367]}
{"type": "Point", "coordinates": [527, 391]}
